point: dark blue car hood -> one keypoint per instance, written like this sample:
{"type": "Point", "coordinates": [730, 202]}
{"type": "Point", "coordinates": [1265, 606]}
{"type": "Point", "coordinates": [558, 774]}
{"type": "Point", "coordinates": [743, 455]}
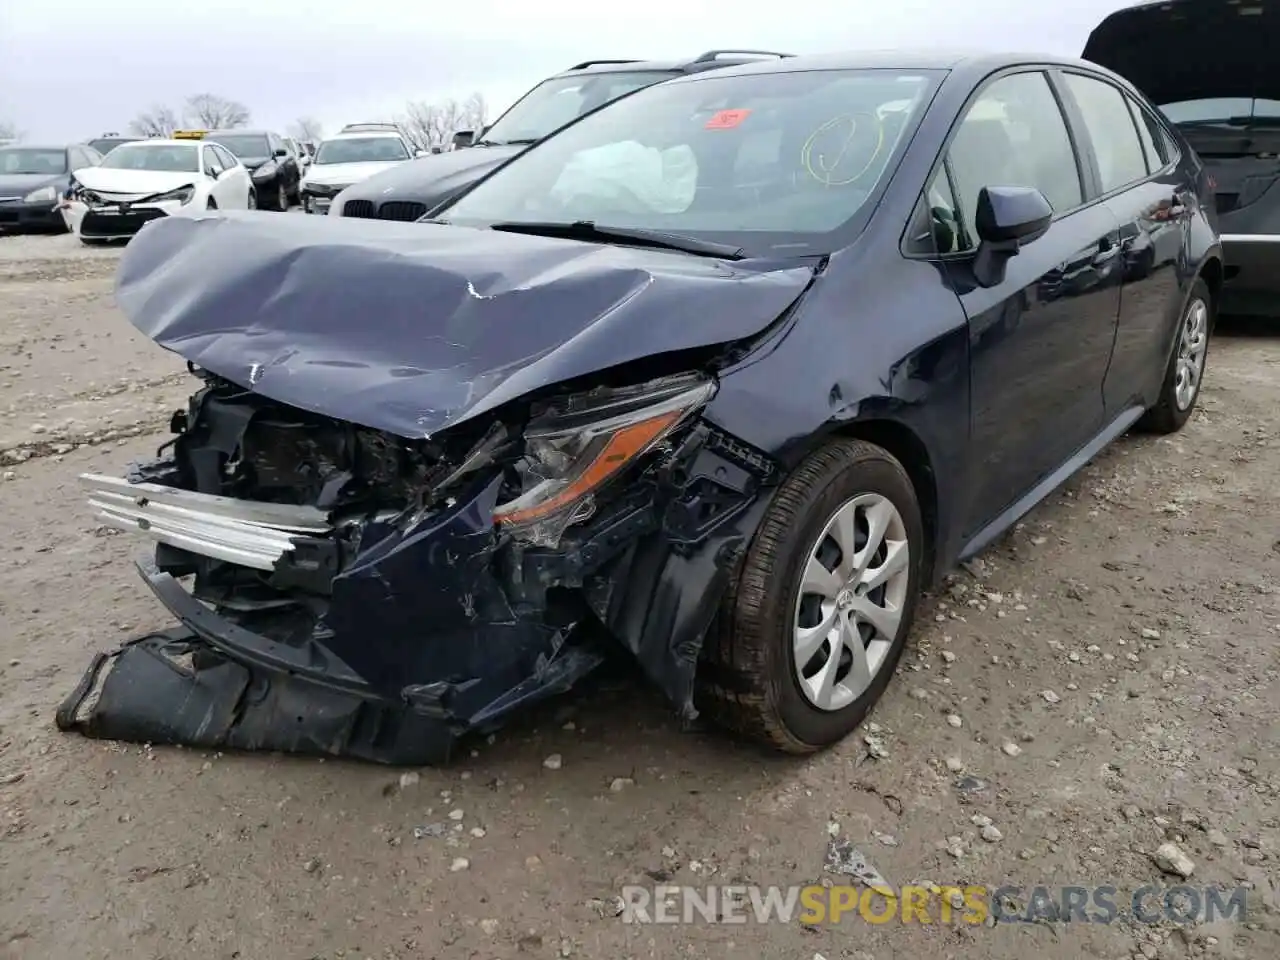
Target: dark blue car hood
{"type": "Point", "coordinates": [413, 328]}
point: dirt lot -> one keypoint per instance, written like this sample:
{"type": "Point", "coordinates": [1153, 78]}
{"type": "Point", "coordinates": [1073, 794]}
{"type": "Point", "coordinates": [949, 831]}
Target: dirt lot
{"type": "Point", "coordinates": [1102, 681]}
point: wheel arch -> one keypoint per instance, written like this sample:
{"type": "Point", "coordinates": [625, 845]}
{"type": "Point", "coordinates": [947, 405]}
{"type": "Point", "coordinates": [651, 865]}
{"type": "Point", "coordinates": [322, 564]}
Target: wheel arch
{"type": "Point", "coordinates": [1213, 273]}
{"type": "Point", "coordinates": [909, 449]}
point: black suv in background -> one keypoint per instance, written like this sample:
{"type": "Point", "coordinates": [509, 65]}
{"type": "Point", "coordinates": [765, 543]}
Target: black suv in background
{"type": "Point", "coordinates": [1209, 67]}
{"type": "Point", "coordinates": [408, 191]}
{"type": "Point", "coordinates": [270, 163]}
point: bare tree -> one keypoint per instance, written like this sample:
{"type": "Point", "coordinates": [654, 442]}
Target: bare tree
{"type": "Point", "coordinates": [306, 129]}
{"type": "Point", "coordinates": [431, 126]}
{"type": "Point", "coordinates": [211, 112]}
{"type": "Point", "coordinates": [159, 121]}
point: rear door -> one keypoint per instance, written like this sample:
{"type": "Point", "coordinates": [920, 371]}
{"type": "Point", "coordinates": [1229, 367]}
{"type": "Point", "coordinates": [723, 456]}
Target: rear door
{"type": "Point", "coordinates": [1041, 340]}
{"type": "Point", "coordinates": [1140, 182]}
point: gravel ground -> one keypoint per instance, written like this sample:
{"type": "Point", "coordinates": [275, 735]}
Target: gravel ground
{"type": "Point", "coordinates": [1101, 682]}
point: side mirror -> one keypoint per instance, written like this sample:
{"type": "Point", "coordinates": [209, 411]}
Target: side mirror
{"type": "Point", "coordinates": [1005, 220]}
{"type": "Point", "coordinates": [464, 138]}
{"type": "Point", "coordinates": [419, 153]}
{"type": "Point", "coordinates": [282, 152]}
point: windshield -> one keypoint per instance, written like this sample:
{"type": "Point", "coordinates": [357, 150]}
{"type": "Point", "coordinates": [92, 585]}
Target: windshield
{"type": "Point", "coordinates": [362, 150]}
{"type": "Point", "coordinates": [1221, 109]}
{"type": "Point", "coordinates": [167, 157]}
{"type": "Point", "coordinates": [244, 145]}
{"type": "Point", "coordinates": [32, 160]}
{"type": "Point", "coordinates": [553, 103]}
{"type": "Point", "coordinates": [765, 160]}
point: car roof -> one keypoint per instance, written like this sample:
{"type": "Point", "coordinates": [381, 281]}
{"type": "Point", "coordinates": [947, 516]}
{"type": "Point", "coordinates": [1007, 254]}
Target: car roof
{"type": "Point", "coordinates": [711, 60]}
{"type": "Point", "coordinates": [977, 63]}
{"type": "Point", "coordinates": [39, 146]}
{"type": "Point", "coordinates": [365, 135]}
{"type": "Point", "coordinates": [162, 142]}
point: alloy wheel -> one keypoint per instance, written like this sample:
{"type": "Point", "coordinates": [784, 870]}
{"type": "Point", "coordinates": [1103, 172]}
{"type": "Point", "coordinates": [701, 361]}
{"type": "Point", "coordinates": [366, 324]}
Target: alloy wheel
{"type": "Point", "coordinates": [852, 596]}
{"type": "Point", "coordinates": [1192, 344]}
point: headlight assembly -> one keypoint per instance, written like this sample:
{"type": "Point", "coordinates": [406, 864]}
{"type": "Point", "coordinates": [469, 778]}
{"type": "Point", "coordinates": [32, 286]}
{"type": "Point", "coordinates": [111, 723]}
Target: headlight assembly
{"type": "Point", "coordinates": [571, 455]}
{"type": "Point", "coordinates": [43, 195]}
{"type": "Point", "coordinates": [265, 171]}
{"type": "Point", "coordinates": [182, 195]}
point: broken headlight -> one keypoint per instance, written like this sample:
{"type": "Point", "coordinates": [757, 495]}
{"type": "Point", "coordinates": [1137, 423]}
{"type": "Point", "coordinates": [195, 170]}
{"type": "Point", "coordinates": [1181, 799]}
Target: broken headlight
{"type": "Point", "coordinates": [571, 453]}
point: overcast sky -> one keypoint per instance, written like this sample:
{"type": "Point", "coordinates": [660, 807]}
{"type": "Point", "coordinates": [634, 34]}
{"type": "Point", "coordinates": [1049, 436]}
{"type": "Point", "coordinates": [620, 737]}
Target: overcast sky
{"type": "Point", "coordinates": [72, 69]}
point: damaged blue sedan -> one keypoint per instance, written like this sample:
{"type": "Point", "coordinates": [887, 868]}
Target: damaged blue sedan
{"type": "Point", "coordinates": [718, 380]}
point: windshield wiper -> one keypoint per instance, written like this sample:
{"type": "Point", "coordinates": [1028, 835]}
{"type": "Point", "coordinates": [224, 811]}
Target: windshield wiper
{"type": "Point", "coordinates": [524, 142]}
{"type": "Point", "coordinates": [587, 230]}
{"type": "Point", "coordinates": [1234, 122]}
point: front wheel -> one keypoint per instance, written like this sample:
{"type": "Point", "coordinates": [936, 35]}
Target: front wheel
{"type": "Point", "coordinates": [819, 615]}
{"type": "Point", "coordinates": [1180, 388]}
{"type": "Point", "coordinates": [252, 203]}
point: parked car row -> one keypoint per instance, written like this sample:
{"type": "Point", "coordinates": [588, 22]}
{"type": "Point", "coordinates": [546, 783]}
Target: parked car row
{"type": "Point", "coordinates": [720, 376]}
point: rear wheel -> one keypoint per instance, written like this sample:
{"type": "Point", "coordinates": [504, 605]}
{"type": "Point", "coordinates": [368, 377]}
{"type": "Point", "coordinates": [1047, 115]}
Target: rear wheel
{"type": "Point", "coordinates": [1180, 388]}
{"type": "Point", "coordinates": [818, 617]}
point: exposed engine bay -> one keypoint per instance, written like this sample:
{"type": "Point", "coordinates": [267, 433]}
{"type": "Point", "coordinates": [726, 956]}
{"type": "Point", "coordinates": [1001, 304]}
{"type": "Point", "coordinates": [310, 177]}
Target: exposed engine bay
{"type": "Point", "coordinates": [344, 590]}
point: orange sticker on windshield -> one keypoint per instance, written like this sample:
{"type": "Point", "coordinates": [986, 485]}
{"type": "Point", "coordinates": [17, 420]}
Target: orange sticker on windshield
{"type": "Point", "coordinates": [726, 119]}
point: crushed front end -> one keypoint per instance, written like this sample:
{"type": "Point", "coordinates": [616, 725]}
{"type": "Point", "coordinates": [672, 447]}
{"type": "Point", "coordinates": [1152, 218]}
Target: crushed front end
{"type": "Point", "coordinates": [342, 590]}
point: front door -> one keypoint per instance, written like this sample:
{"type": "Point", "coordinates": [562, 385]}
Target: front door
{"type": "Point", "coordinates": [1041, 340]}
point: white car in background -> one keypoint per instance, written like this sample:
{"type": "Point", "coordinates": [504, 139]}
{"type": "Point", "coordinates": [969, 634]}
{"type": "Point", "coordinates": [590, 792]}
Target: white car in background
{"type": "Point", "coordinates": [349, 158]}
{"type": "Point", "coordinates": [148, 179]}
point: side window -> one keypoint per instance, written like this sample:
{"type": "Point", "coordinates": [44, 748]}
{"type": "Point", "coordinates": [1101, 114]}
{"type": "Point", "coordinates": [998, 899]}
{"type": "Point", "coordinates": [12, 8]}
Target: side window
{"type": "Point", "coordinates": [1148, 135]}
{"type": "Point", "coordinates": [275, 142]}
{"type": "Point", "coordinates": [211, 164]}
{"type": "Point", "coordinates": [226, 160]}
{"type": "Point", "coordinates": [1111, 130]}
{"type": "Point", "coordinates": [937, 228]}
{"type": "Point", "coordinates": [1166, 149]}
{"type": "Point", "coordinates": [1014, 135]}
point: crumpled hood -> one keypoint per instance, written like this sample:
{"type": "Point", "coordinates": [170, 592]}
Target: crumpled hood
{"type": "Point", "coordinates": [142, 182]}
{"type": "Point", "coordinates": [433, 179]}
{"type": "Point", "coordinates": [1175, 50]}
{"type": "Point", "coordinates": [412, 328]}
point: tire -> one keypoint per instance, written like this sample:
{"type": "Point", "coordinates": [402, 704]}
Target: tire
{"type": "Point", "coordinates": [1171, 411]}
{"type": "Point", "coordinates": [252, 203]}
{"type": "Point", "coordinates": [93, 241]}
{"type": "Point", "coordinates": [748, 680]}
{"type": "Point", "coordinates": [282, 197]}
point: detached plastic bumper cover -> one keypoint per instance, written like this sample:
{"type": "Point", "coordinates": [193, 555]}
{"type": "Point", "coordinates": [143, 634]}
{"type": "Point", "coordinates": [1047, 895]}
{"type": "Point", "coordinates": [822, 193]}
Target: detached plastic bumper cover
{"type": "Point", "coordinates": [209, 683]}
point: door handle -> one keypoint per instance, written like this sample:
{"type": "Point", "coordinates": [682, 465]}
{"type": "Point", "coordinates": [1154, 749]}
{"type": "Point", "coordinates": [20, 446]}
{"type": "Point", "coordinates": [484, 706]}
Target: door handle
{"type": "Point", "coordinates": [1108, 249]}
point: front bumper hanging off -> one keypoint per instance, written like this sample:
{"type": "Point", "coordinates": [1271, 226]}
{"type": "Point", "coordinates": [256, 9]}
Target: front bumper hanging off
{"type": "Point", "coordinates": [213, 683]}
{"type": "Point", "coordinates": [210, 683]}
